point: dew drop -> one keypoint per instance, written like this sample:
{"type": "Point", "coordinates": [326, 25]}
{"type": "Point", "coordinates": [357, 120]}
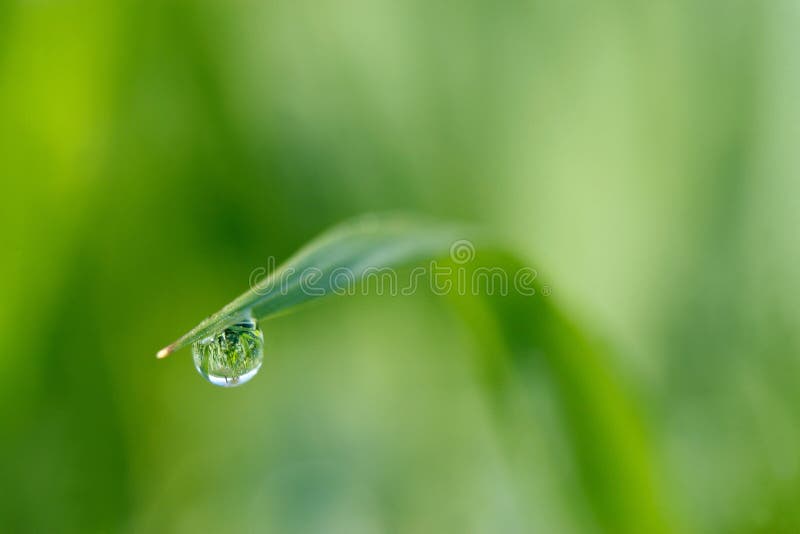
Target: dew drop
{"type": "Point", "coordinates": [231, 357]}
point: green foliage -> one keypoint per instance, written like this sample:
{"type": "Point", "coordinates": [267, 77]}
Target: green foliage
{"type": "Point", "coordinates": [605, 432]}
{"type": "Point", "coordinates": [353, 248]}
{"type": "Point", "coordinates": [642, 153]}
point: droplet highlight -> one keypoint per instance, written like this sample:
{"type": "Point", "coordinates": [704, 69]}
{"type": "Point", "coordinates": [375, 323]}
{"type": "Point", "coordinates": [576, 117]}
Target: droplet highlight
{"type": "Point", "coordinates": [232, 357]}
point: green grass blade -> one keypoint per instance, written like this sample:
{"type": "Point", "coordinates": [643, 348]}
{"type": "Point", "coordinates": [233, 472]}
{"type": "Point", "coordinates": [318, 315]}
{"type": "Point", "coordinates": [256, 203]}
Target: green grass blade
{"type": "Point", "coordinates": [370, 242]}
{"type": "Point", "coordinates": [606, 432]}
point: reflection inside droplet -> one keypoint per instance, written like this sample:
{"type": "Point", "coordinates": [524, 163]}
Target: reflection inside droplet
{"type": "Point", "coordinates": [231, 357]}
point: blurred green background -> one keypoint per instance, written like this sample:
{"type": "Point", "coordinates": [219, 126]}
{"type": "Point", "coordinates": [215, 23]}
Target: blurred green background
{"type": "Point", "coordinates": [642, 155]}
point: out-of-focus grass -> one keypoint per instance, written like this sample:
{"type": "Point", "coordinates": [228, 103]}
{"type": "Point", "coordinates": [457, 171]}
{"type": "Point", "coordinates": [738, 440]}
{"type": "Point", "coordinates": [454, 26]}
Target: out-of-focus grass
{"type": "Point", "coordinates": [643, 153]}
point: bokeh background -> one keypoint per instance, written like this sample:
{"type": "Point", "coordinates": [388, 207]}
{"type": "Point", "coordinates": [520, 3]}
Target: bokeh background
{"type": "Point", "coordinates": [642, 155]}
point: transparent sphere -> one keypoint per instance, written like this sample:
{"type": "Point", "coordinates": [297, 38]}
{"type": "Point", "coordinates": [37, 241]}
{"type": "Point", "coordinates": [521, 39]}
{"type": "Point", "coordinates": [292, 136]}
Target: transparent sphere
{"type": "Point", "coordinates": [231, 357]}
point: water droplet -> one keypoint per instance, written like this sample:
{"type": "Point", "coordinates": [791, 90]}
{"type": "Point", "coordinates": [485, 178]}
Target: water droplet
{"type": "Point", "coordinates": [231, 357]}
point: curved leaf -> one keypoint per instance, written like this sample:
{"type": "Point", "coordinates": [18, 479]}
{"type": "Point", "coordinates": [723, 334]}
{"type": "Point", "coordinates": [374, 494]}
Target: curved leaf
{"type": "Point", "coordinates": [360, 245]}
{"type": "Point", "coordinates": [606, 433]}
